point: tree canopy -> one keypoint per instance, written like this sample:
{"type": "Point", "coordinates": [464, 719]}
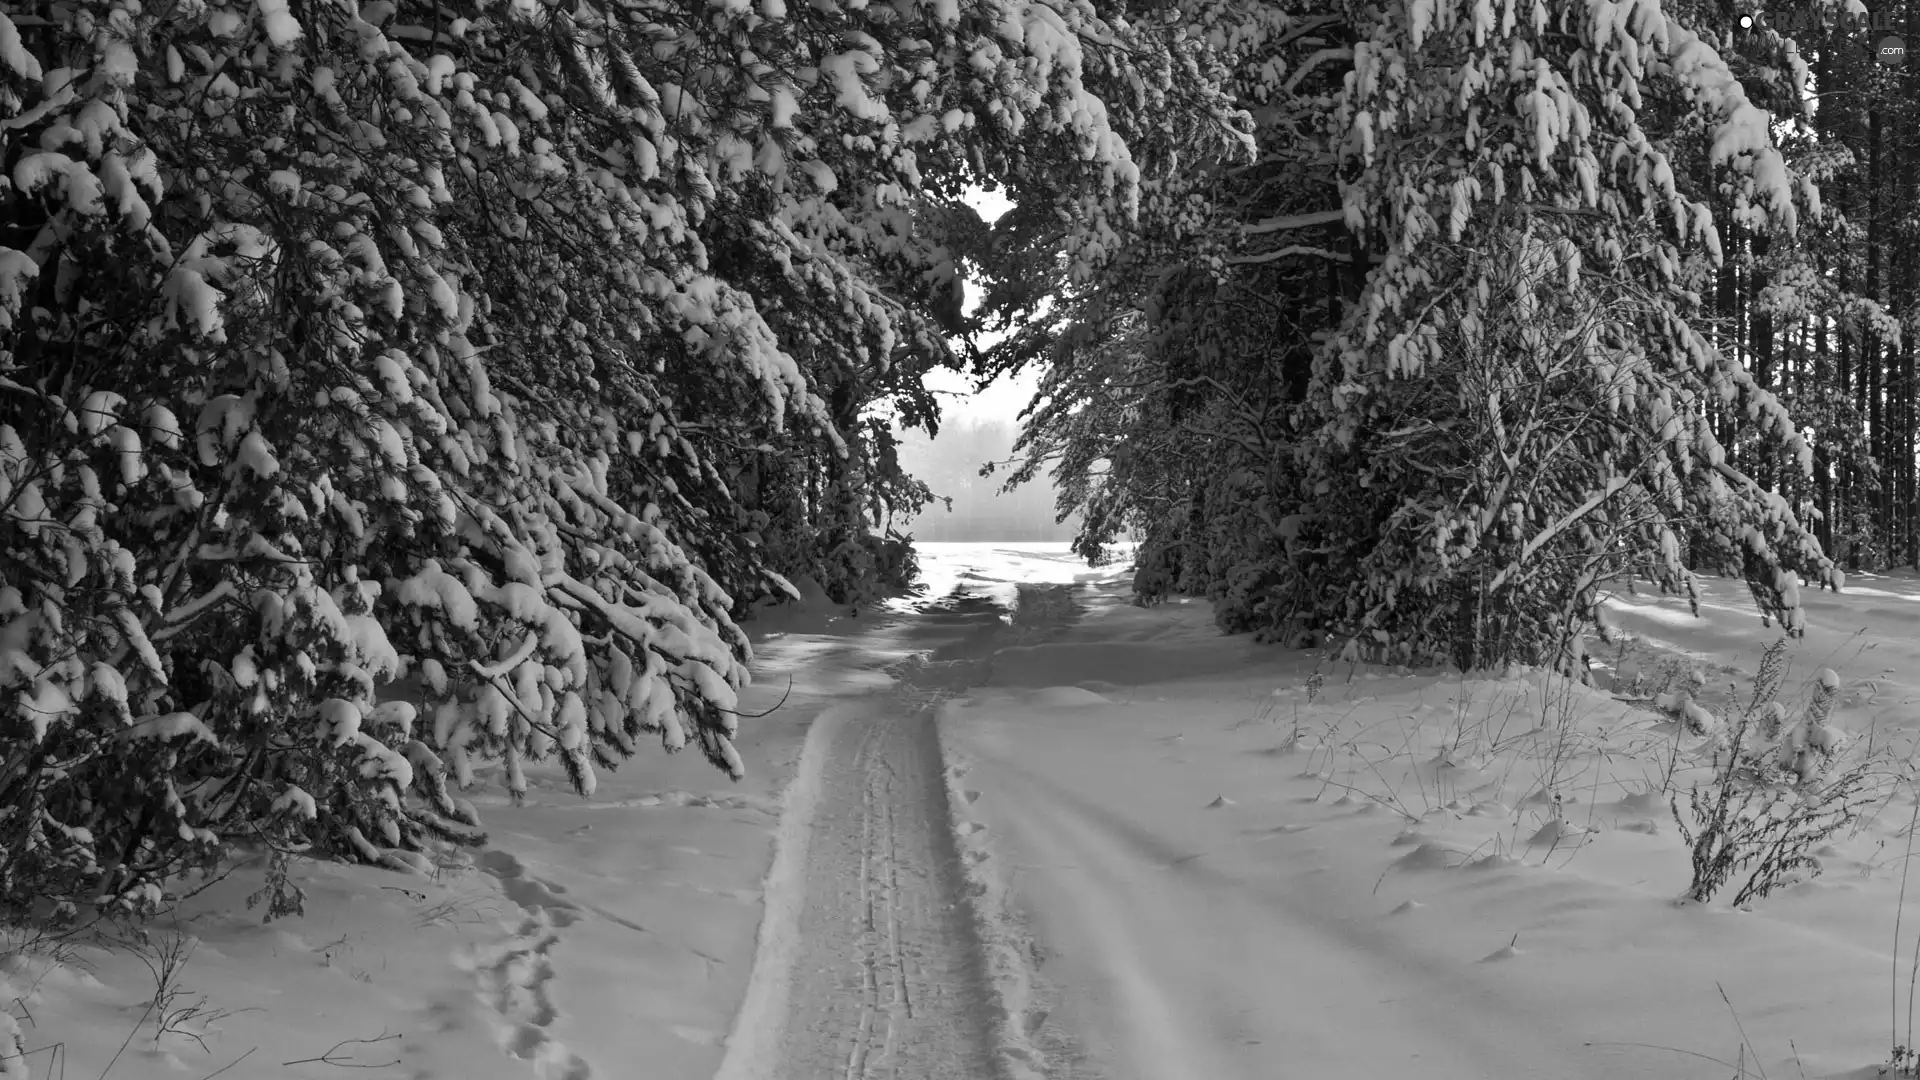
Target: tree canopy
{"type": "Point", "coordinates": [388, 386]}
{"type": "Point", "coordinates": [1446, 356]}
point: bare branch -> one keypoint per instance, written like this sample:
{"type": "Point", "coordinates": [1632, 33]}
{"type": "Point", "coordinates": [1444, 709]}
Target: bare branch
{"type": "Point", "coordinates": [334, 1057]}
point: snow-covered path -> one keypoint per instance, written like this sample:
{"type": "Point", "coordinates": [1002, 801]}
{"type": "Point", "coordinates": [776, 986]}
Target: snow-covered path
{"type": "Point", "coordinates": [1181, 971]}
{"type": "Point", "coordinates": [1220, 866]}
{"type": "Point", "coordinates": [1148, 959]}
{"type": "Point", "coordinates": [886, 980]}
{"type": "Point", "coordinates": [1174, 856]}
{"type": "Point", "coordinates": [869, 962]}
{"type": "Point", "coordinates": [1017, 829]}
{"type": "Point", "coordinates": [1170, 962]}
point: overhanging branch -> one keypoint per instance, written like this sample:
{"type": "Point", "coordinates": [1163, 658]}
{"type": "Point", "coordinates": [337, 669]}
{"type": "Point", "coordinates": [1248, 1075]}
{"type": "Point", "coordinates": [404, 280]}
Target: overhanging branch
{"type": "Point", "coordinates": [1294, 221]}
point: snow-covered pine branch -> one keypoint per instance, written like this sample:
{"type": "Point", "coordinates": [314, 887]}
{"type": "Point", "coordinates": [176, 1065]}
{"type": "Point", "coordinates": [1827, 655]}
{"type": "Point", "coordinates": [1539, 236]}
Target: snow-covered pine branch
{"type": "Point", "coordinates": [467, 377]}
{"type": "Point", "coordinates": [1516, 274]}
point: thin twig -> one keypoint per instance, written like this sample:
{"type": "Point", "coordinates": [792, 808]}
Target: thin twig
{"type": "Point", "coordinates": [229, 1065]}
{"type": "Point", "coordinates": [769, 712]}
{"type": "Point", "coordinates": [1745, 1043]}
{"type": "Point", "coordinates": [1668, 1049]}
{"type": "Point", "coordinates": [1893, 997]}
{"type": "Point", "coordinates": [331, 1058]}
{"type": "Point", "coordinates": [124, 1043]}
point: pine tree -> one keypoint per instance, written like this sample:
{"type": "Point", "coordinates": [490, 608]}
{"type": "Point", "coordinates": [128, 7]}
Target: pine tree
{"type": "Point", "coordinates": [376, 379]}
{"type": "Point", "coordinates": [1494, 257]}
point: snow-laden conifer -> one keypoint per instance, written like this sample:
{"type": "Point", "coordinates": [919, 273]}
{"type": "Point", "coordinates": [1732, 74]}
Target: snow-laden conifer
{"type": "Point", "coordinates": [1436, 366]}
{"type": "Point", "coordinates": [391, 388]}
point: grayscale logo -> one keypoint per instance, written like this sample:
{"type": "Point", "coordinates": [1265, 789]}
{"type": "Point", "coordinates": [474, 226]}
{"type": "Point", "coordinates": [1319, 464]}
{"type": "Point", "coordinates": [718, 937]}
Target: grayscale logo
{"type": "Point", "coordinates": [1875, 31]}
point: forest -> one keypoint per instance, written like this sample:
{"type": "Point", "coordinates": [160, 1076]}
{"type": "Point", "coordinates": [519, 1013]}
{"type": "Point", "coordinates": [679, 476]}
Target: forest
{"type": "Point", "coordinates": [389, 387]}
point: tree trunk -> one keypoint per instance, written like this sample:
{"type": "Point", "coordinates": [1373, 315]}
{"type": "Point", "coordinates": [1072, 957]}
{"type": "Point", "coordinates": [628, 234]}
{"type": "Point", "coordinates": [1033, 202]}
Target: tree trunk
{"type": "Point", "coordinates": [1870, 360]}
{"type": "Point", "coordinates": [1760, 351]}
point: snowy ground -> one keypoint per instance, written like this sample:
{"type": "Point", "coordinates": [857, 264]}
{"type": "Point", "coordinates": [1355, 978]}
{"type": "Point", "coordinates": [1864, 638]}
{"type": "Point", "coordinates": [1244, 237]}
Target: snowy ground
{"type": "Point", "coordinates": [1016, 827]}
{"type": "Point", "coordinates": [609, 937]}
{"type": "Point", "coordinates": [1388, 893]}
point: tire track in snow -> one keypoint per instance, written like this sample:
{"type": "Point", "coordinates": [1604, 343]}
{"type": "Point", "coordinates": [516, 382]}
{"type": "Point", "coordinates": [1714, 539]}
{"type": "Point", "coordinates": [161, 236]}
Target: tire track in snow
{"type": "Point", "coordinates": [868, 963]}
{"type": "Point", "coordinates": [1162, 994]}
{"type": "Point", "coordinates": [887, 982]}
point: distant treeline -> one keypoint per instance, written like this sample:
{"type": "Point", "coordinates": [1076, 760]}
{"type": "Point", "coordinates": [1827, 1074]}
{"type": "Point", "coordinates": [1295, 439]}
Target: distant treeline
{"type": "Point", "coordinates": [950, 465]}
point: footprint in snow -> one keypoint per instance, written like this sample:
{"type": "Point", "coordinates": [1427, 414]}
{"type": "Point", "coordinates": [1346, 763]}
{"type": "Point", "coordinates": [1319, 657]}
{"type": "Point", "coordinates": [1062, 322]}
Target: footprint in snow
{"type": "Point", "coordinates": [511, 976]}
{"type": "Point", "coordinates": [442, 1016]}
{"type": "Point", "coordinates": [531, 893]}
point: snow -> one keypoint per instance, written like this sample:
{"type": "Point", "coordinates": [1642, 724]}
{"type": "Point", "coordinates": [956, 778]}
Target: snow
{"type": "Point", "coordinates": [753, 1043]}
{"type": "Point", "coordinates": [1181, 855]}
{"type": "Point", "coordinates": [278, 22]}
{"type": "Point", "coordinates": [1301, 827]}
{"type": "Point", "coordinates": [194, 302]}
{"type": "Point", "coordinates": [14, 55]}
{"type": "Point", "coordinates": [170, 726]}
{"type": "Point", "coordinates": [298, 801]}
{"type": "Point", "coordinates": [605, 931]}
{"type": "Point", "coordinates": [75, 181]}
{"type": "Point", "coordinates": [100, 409]}
{"type": "Point", "coordinates": [17, 268]}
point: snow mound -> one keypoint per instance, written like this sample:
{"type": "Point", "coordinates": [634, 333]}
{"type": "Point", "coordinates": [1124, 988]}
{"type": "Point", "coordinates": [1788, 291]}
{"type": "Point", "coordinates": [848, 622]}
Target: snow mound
{"type": "Point", "coordinates": [1556, 831]}
{"type": "Point", "coordinates": [1643, 802]}
{"type": "Point", "coordinates": [1505, 952]}
{"type": "Point", "coordinates": [1068, 697]}
{"type": "Point", "coordinates": [1428, 856]}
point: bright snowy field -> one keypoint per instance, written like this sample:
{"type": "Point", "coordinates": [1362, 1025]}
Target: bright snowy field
{"type": "Point", "coordinates": [1182, 858]}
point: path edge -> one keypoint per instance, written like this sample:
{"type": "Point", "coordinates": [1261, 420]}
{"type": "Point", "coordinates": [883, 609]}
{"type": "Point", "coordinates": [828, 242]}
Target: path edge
{"type": "Point", "coordinates": [1003, 948]}
{"type": "Point", "coordinates": [753, 1042]}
